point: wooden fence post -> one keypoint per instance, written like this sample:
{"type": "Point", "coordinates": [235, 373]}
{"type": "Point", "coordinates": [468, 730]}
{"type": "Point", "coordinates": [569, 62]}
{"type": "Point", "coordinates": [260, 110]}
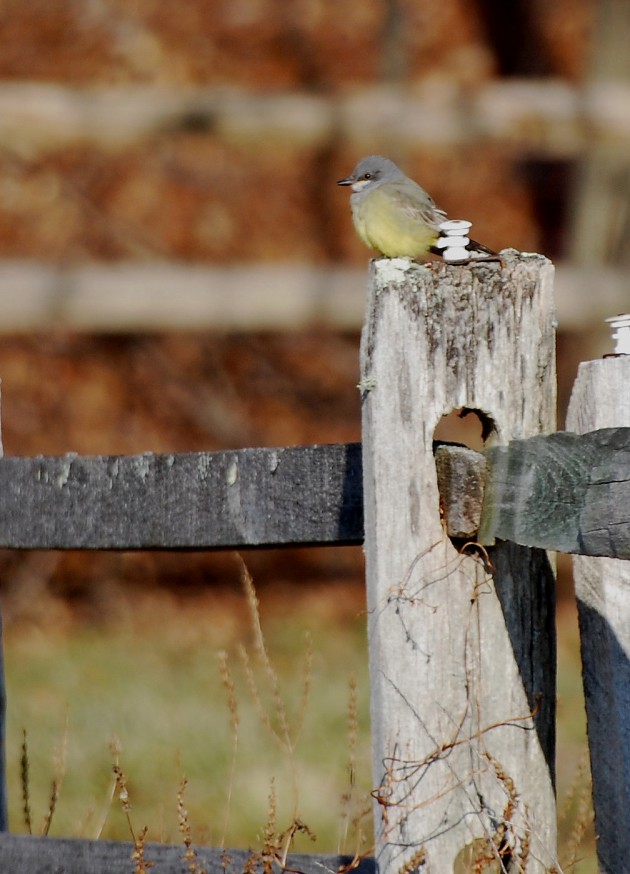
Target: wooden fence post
{"type": "Point", "coordinates": [462, 647]}
{"type": "Point", "coordinates": [4, 803]}
{"type": "Point", "coordinates": [601, 399]}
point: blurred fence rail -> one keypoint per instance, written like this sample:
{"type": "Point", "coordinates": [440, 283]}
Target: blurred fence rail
{"type": "Point", "coordinates": [547, 117]}
{"type": "Point", "coordinates": [540, 119]}
{"type": "Point", "coordinates": [164, 295]}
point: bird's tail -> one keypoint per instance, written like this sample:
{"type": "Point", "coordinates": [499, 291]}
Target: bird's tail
{"type": "Point", "coordinates": [474, 246]}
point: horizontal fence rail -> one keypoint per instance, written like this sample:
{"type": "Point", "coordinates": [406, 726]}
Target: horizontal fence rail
{"type": "Point", "coordinates": [292, 496]}
{"type": "Point", "coordinates": [563, 491]}
{"type": "Point", "coordinates": [46, 855]}
{"type": "Point", "coordinates": [551, 117]}
{"type": "Point", "coordinates": [167, 295]}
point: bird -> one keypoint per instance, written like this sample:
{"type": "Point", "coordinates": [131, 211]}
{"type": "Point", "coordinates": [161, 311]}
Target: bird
{"type": "Point", "coordinates": [396, 216]}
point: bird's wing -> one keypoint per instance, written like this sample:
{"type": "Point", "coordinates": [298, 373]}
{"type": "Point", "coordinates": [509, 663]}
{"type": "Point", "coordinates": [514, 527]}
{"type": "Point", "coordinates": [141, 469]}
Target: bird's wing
{"type": "Point", "coordinates": [416, 203]}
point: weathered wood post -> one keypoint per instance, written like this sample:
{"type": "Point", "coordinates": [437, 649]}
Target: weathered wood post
{"type": "Point", "coordinates": [462, 647]}
{"type": "Point", "coordinates": [4, 803]}
{"type": "Point", "coordinates": [601, 399]}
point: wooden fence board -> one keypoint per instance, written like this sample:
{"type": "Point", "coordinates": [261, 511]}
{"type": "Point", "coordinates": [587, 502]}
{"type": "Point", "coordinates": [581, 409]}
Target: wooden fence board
{"type": "Point", "coordinates": [22, 854]}
{"type": "Point", "coordinates": [546, 117]}
{"type": "Point", "coordinates": [167, 295]}
{"type": "Point", "coordinates": [563, 491]}
{"type": "Point", "coordinates": [250, 497]}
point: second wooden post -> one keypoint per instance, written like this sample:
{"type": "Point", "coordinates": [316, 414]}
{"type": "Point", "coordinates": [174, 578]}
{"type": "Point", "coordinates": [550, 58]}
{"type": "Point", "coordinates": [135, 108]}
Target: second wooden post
{"type": "Point", "coordinates": [600, 399]}
{"type": "Point", "coordinates": [462, 646]}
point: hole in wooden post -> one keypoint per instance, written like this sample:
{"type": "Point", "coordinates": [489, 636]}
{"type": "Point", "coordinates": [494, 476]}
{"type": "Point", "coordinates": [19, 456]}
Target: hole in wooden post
{"type": "Point", "coordinates": [468, 427]}
{"type": "Point", "coordinates": [461, 470]}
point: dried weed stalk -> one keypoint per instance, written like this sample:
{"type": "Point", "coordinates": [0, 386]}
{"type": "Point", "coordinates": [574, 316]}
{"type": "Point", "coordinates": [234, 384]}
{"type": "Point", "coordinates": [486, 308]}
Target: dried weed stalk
{"type": "Point", "coordinates": [577, 803]}
{"type": "Point", "coordinates": [25, 784]}
{"type": "Point", "coordinates": [276, 845]}
{"type": "Point", "coordinates": [354, 810]}
{"type": "Point", "coordinates": [274, 717]}
{"type": "Point", "coordinates": [139, 838]}
{"type": "Point", "coordinates": [115, 749]}
{"type": "Point", "coordinates": [59, 772]}
{"type": "Point", "coordinates": [60, 757]}
{"type": "Point", "coordinates": [190, 856]}
{"type": "Point", "coordinates": [227, 681]}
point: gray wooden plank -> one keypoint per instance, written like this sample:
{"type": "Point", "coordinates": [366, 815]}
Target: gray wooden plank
{"type": "Point", "coordinates": [204, 500]}
{"type": "Point", "coordinates": [563, 491]}
{"type": "Point", "coordinates": [601, 589]}
{"type": "Point", "coordinates": [22, 854]}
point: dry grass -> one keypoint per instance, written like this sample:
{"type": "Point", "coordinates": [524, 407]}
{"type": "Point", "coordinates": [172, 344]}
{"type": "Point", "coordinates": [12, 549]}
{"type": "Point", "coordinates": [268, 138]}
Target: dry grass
{"type": "Point", "coordinates": [153, 680]}
{"type": "Point", "coordinates": [264, 733]}
{"type": "Point", "coordinates": [138, 837]}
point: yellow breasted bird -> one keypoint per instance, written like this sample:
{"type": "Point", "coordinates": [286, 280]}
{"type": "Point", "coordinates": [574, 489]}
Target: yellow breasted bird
{"type": "Point", "coordinates": [394, 215]}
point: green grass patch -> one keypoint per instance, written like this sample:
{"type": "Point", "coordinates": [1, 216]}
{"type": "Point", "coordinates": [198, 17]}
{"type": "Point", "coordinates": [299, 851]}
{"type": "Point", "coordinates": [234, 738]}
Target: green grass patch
{"type": "Point", "coordinates": [151, 677]}
{"type": "Point", "coordinates": [154, 682]}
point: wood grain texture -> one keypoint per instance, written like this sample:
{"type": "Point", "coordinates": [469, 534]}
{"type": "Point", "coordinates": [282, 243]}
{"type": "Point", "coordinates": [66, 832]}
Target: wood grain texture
{"type": "Point", "coordinates": [202, 500]}
{"type": "Point", "coordinates": [461, 649]}
{"type": "Point", "coordinates": [461, 475]}
{"type": "Point", "coordinates": [22, 854]}
{"type": "Point", "coordinates": [563, 491]}
{"type": "Point", "coordinates": [601, 399]}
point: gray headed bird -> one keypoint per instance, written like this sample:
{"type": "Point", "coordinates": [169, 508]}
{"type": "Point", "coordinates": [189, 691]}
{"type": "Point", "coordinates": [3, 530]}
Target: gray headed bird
{"type": "Point", "coordinates": [394, 215]}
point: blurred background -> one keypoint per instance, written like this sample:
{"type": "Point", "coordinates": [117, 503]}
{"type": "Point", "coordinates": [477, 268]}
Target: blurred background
{"type": "Point", "coordinates": [178, 271]}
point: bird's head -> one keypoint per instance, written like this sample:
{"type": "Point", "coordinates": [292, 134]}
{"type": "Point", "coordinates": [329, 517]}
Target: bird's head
{"type": "Point", "coordinates": [372, 171]}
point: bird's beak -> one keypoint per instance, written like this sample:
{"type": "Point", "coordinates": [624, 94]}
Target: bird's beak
{"type": "Point", "coordinates": [349, 180]}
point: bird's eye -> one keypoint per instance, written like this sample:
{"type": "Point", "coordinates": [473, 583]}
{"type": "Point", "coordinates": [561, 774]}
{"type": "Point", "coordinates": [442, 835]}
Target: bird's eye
{"type": "Point", "coordinates": [367, 175]}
